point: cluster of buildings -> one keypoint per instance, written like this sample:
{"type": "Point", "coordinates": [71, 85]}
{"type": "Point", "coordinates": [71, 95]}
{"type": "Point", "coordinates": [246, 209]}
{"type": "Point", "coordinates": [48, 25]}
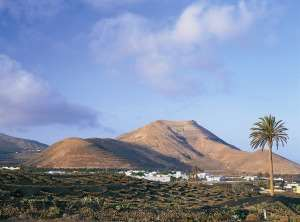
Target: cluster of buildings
{"type": "Point", "coordinates": [9, 168]}
{"type": "Point", "coordinates": [178, 175]}
{"type": "Point", "coordinates": [156, 176]}
{"type": "Point", "coordinates": [292, 187]}
{"type": "Point", "coordinates": [165, 177]}
{"type": "Point", "coordinates": [174, 175]}
{"type": "Point", "coordinates": [54, 172]}
{"type": "Point", "coordinates": [280, 184]}
{"type": "Point", "coordinates": [210, 178]}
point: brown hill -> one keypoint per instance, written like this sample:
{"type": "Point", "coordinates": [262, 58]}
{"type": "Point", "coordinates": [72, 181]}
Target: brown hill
{"type": "Point", "coordinates": [161, 144]}
{"type": "Point", "coordinates": [194, 145]}
{"type": "Point", "coordinates": [167, 138]}
{"type": "Point", "coordinates": [15, 150]}
{"type": "Point", "coordinates": [101, 153]}
{"type": "Point", "coordinates": [77, 153]}
{"type": "Point", "coordinates": [257, 162]}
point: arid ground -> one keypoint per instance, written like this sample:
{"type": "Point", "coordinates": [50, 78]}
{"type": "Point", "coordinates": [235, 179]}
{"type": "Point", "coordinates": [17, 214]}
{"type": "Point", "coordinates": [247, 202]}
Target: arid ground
{"type": "Point", "coordinates": [31, 195]}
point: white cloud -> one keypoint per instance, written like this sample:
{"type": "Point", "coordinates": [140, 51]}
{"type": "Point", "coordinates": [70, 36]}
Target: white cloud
{"type": "Point", "coordinates": [168, 56]}
{"type": "Point", "coordinates": [201, 22]}
{"type": "Point", "coordinates": [27, 101]}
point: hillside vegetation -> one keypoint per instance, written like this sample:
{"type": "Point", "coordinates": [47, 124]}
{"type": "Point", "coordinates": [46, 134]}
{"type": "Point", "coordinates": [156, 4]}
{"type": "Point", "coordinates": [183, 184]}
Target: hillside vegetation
{"type": "Point", "coordinates": [110, 196]}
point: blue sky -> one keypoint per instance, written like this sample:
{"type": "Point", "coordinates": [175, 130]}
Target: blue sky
{"type": "Point", "coordinates": [99, 68]}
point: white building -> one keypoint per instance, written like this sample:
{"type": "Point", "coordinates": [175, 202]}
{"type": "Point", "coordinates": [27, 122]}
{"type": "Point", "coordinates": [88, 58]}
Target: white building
{"type": "Point", "coordinates": [251, 178]}
{"type": "Point", "coordinates": [177, 175]}
{"type": "Point", "coordinates": [56, 172]}
{"type": "Point", "coordinates": [294, 187]}
{"type": "Point", "coordinates": [134, 173]}
{"type": "Point", "coordinates": [10, 168]}
{"type": "Point", "coordinates": [180, 175]}
{"type": "Point", "coordinates": [156, 176]}
{"type": "Point", "coordinates": [202, 176]}
{"type": "Point", "coordinates": [214, 179]}
{"type": "Point", "coordinates": [210, 178]}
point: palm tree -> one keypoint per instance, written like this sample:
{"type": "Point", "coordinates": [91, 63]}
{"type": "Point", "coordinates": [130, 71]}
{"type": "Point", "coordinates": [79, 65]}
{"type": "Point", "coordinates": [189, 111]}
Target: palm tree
{"type": "Point", "coordinates": [268, 131]}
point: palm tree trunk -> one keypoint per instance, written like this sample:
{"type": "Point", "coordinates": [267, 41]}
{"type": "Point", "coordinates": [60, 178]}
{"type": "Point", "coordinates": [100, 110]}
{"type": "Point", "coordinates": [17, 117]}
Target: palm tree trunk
{"type": "Point", "coordinates": [271, 170]}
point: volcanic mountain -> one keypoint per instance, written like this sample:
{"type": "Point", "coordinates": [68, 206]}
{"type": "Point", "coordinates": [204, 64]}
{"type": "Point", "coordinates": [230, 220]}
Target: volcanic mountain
{"type": "Point", "coordinates": [15, 150]}
{"type": "Point", "coordinates": [102, 153]}
{"type": "Point", "coordinates": [161, 144]}
{"type": "Point", "coordinates": [196, 146]}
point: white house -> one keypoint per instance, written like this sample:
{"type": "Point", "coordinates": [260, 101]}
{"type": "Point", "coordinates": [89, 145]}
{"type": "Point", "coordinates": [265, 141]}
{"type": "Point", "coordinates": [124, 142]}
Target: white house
{"type": "Point", "coordinates": [179, 174]}
{"type": "Point", "coordinates": [158, 177]}
{"type": "Point", "coordinates": [251, 178]}
{"type": "Point", "coordinates": [10, 168]}
{"type": "Point", "coordinates": [210, 178]}
{"type": "Point", "coordinates": [155, 176]}
{"type": "Point", "coordinates": [294, 187]}
{"type": "Point", "coordinates": [56, 172]}
{"type": "Point", "coordinates": [202, 176]}
{"type": "Point", "coordinates": [214, 179]}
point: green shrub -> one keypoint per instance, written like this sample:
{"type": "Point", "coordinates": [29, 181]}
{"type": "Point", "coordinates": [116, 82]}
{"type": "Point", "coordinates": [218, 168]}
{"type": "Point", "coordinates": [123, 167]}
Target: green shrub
{"type": "Point", "coordinates": [94, 203]}
{"type": "Point", "coordinates": [27, 203]}
{"type": "Point", "coordinates": [51, 212]}
{"type": "Point", "coordinates": [240, 213]}
{"type": "Point", "coordinates": [86, 212]}
{"type": "Point", "coordinates": [263, 184]}
{"type": "Point", "coordinates": [244, 188]}
{"type": "Point", "coordinates": [8, 211]}
{"type": "Point", "coordinates": [138, 174]}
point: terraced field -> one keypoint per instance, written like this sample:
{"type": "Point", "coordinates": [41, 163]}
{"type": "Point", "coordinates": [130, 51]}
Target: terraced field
{"type": "Point", "coordinates": [109, 196]}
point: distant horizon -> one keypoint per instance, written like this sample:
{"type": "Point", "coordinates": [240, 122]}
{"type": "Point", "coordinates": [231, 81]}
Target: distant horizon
{"type": "Point", "coordinates": [94, 68]}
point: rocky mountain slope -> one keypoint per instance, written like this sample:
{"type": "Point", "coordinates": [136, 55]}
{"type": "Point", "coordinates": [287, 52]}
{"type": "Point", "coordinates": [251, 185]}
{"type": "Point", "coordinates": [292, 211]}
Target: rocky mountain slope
{"type": "Point", "coordinates": [196, 146]}
{"type": "Point", "coordinates": [161, 144]}
{"type": "Point", "coordinates": [102, 153]}
{"type": "Point", "coordinates": [16, 150]}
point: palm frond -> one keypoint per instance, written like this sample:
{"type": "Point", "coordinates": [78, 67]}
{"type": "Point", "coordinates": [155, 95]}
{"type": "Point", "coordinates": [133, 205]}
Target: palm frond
{"type": "Point", "coordinates": [268, 131]}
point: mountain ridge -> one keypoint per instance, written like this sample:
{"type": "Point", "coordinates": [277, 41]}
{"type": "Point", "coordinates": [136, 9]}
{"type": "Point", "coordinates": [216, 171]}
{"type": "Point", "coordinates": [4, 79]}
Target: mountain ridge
{"type": "Point", "coordinates": [162, 144]}
{"type": "Point", "coordinates": [213, 148]}
{"type": "Point", "coordinates": [15, 150]}
{"type": "Point", "coordinates": [105, 152]}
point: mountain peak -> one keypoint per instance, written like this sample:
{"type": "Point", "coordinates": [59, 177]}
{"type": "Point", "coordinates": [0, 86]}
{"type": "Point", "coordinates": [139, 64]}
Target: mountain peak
{"type": "Point", "coordinates": [161, 144]}
{"type": "Point", "coordinates": [176, 122]}
{"type": "Point", "coordinates": [188, 129]}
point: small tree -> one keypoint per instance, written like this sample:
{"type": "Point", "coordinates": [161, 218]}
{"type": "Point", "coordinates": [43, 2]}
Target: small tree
{"type": "Point", "coordinates": [268, 132]}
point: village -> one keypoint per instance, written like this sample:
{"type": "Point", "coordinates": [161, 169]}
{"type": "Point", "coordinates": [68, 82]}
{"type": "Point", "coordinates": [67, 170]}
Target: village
{"type": "Point", "coordinates": [281, 185]}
